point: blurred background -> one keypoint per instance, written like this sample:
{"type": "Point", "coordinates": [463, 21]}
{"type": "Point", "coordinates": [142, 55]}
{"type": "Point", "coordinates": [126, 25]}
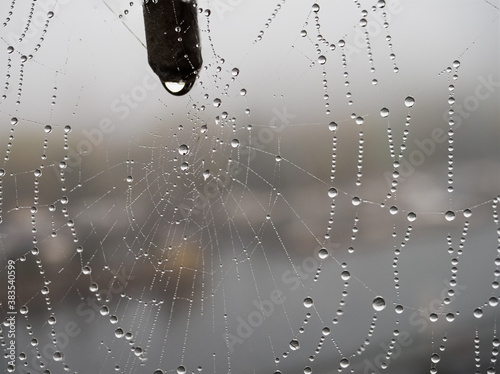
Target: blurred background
{"type": "Point", "coordinates": [325, 199]}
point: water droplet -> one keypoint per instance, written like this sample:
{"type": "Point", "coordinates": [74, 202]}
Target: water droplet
{"type": "Point", "coordinates": [10, 49]}
{"type": "Point", "coordinates": [50, 14]}
{"type": "Point", "coordinates": [52, 320]}
{"type": "Point", "coordinates": [378, 303]}
{"type": "Point", "coordinates": [184, 166]}
{"type": "Point", "coordinates": [381, 3]}
{"type": "Point", "coordinates": [332, 126]}
{"type": "Point", "coordinates": [183, 149]}
{"type": "Point", "coordinates": [435, 358]}
{"type": "Point", "coordinates": [478, 313]}
{"type": "Point", "coordinates": [399, 309]}
{"type": "Point", "coordinates": [345, 275]}
{"type": "Point", "coordinates": [321, 60]}
{"type": "Point", "coordinates": [294, 345]}
{"type": "Point", "coordinates": [217, 102]}
{"type": "Point", "coordinates": [315, 8]}
{"type": "Point", "coordinates": [235, 72]}
{"type": "Point", "coordinates": [119, 333]}
{"type": "Point", "coordinates": [308, 302]}
{"type": "Point", "coordinates": [235, 143]}
{"type": "Point", "coordinates": [449, 215]}
{"type": "Point", "coordinates": [356, 201]}
{"type": "Point", "coordinates": [409, 101]}
{"type": "Point", "coordinates": [467, 213]}
{"type": "Point", "coordinates": [47, 129]}
{"type": "Point", "coordinates": [181, 369]}
{"type": "Point", "coordinates": [360, 120]}
{"type": "Point", "coordinates": [303, 33]}
{"type": "Point", "coordinates": [323, 253]}
{"type": "Point", "coordinates": [94, 287]}
{"type": "Point", "coordinates": [344, 363]}
{"type": "Point", "coordinates": [411, 216]}
{"type": "Point", "coordinates": [58, 356]}
{"type": "Point", "coordinates": [393, 209]}
{"type": "Point", "coordinates": [384, 112]}
{"type": "Point", "coordinates": [86, 270]}
{"type": "Point", "coordinates": [332, 192]}
{"type": "Point", "coordinates": [104, 310]}
{"type": "Point", "coordinates": [13, 121]}
{"type": "Point", "coordinates": [326, 331]}
{"type": "Point", "coordinates": [456, 64]}
{"type": "Point", "coordinates": [433, 317]}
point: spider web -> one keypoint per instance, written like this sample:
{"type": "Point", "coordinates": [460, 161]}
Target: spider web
{"type": "Point", "coordinates": [324, 200]}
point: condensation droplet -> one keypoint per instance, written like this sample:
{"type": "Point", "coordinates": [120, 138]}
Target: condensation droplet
{"type": "Point", "coordinates": [332, 192]}
{"type": "Point", "coordinates": [58, 356]}
{"type": "Point", "coordinates": [378, 303]}
{"type": "Point", "coordinates": [321, 60]}
{"type": "Point", "coordinates": [344, 363]}
{"type": "Point", "coordinates": [409, 101]}
{"type": "Point", "coordinates": [332, 126]}
{"type": "Point", "coordinates": [323, 253]}
{"type": "Point", "coordinates": [308, 302]}
{"type": "Point", "coordinates": [294, 344]}
{"type": "Point", "coordinates": [435, 358]}
{"type": "Point", "coordinates": [411, 216]}
{"type": "Point", "coordinates": [478, 313]}
{"type": "Point", "coordinates": [345, 275]}
{"type": "Point", "coordinates": [183, 149]}
{"type": "Point", "coordinates": [119, 333]}
{"type": "Point", "coordinates": [384, 112]}
{"type": "Point", "coordinates": [235, 143]}
{"type": "Point", "coordinates": [449, 215]}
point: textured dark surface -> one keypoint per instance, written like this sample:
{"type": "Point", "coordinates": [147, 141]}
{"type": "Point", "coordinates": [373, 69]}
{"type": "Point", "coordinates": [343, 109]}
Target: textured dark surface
{"type": "Point", "coordinates": [172, 37]}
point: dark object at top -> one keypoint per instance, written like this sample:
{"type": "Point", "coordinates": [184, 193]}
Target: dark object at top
{"type": "Point", "coordinates": [173, 43]}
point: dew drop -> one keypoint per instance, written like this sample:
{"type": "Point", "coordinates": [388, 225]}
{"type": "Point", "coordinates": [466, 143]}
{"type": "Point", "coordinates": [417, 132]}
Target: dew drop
{"type": "Point", "coordinates": [183, 149]}
{"type": "Point", "coordinates": [104, 310]}
{"type": "Point", "coordinates": [58, 356]}
{"type": "Point", "coordinates": [384, 112]}
{"type": "Point", "coordinates": [332, 126]}
{"type": "Point", "coordinates": [14, 121]}
{"type": "Point", "coordinates": [409, 101]}
{"type": "Point", "coordinates": [181, 369]}
{"type": "Point", "coordinates": [321, 60]}
{"type": "Point", "coordinates": [235, 72]}
{"type": "Point", "coordinates": [449, 215]}
{"type": "Point", "coordinates": [217, 102]}
{"type": "Point", "coordinates": [323, 253]}
{"type": "Point", "coordinates": [435, 358]}
{"type": "Point", "coordinates": [478, 313]}
{"type": "Point", "coordinates": [308, 302]}
{"type": "Point", "coordinates": [119, 333]}
{"type": "Point", "coordinates": [411, 217]}
{"type": "Point", "coordinates": [345, 275]}
{"type": "Point", "coordinates": [332, 192]}
{"type": "Point", "coordinates": [344, 363]}
{"type": "Point", "coordinates": [294, 345]}
{"type": "Point", "coordinates": [235, 143]}
{"type": "Point", "coordinates": [378, 303]}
